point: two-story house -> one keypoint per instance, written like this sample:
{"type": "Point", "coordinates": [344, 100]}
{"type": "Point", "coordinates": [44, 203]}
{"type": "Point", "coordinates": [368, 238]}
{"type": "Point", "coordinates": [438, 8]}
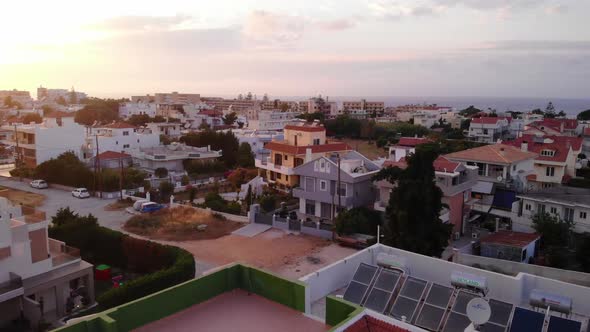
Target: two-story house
{"type": "Point", "coordinates": [556, 158]}
{"type": "Point", "coordinates": [552, 127]}
{"type": "Point", "coordinates": [38, 275]}
{"type": "Point", "coordinates": [405, 146]}
{"type": "Point", "coordinates": [302, 143]}
{"type": "Point", "coordinates": [568, 203]}
{"type": "Point", "coordinates": [489, 129]}
{"type": "Point", "coordinates": [120, 137]}
{"type": "Point", "coordinates": [333, 183]}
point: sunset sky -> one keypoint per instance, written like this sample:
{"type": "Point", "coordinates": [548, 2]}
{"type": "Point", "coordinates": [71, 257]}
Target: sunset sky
{"type": "Point", "coordinates": [529, 48]}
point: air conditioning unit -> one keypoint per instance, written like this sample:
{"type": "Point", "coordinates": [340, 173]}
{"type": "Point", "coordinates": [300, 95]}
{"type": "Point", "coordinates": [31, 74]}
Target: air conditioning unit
{"type": "Point", "coordinates": [457, 236]}
{"type": "Point", "coordinates": [475, 235]}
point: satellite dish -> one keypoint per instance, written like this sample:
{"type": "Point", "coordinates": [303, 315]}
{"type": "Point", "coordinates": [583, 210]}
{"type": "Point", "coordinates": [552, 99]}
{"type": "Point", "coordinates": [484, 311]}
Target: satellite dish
{"type": "Point", "coordinates": [500, 178]}
{"type": "Point", "coordinates": [479, 311]}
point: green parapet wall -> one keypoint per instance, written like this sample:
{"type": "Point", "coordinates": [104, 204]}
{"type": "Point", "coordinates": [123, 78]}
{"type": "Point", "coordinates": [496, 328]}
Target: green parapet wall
{"type": "Point", "coordinates": [338, 311]}
{"type": "Point", "coordinates": [164, 303]}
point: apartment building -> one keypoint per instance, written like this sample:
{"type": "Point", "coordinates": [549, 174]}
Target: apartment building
{"type": "Point", "coordinates": [235, 105]}
{"type": "Point", "coordinates": [330, 184]}
{"type": "Point", "coordinates": [45, 95]}
{"type": "Point", "coordinates": [120, 137]}
{"type": "Point", "coordinates": [22, 97]}
{"type": "Point", "coordinates": [489, 129]}
{"type": "Point", "coordinates": [36, 143]}
{"type": "Point", "coordinates": [320, 105]}
{"type": "Point", "coordinates": [172, 98]}
{"type": "Point", "coordinates": [272, 120]}
{"type": "Point", "coordinates": [370, 107]}
{"type": "Point", "coordinates": [170, 129]}
{"type": "Point", "coordinates": [128, 109]}
{"type": "Point", "coordinates": [556, 158]}
{"type": "Point", "coordinates": [39, 276]}
{"type": "Point", "coordinates": [426, 119]}
{"type": "Point", "coordinates": [568, 203]}
{"type": "Point", "coordinates": [302, 143]}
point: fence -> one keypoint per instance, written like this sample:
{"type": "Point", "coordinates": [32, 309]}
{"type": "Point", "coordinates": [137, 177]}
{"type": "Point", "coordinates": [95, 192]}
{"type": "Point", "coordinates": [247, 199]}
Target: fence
{"type": "Point", "coordinates": [319, 229]}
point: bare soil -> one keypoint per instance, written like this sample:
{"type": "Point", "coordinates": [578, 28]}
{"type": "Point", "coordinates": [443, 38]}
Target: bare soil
{"type": "Point", "coordinates": [181, 223]}
{"type": "Point", "coordinates": [370, 151]}
{"type": "Point", "coordinates": [22, 197]}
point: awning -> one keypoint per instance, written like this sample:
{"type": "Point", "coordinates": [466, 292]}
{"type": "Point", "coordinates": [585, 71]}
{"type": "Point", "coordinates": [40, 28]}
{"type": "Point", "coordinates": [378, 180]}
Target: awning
{"type": "Point", "coordinates": [483, 187]}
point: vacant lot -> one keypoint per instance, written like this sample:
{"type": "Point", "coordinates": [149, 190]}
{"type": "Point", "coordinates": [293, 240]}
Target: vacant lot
{"type": "Point", "coordinates": [181, 224]}
{"type": "Point", "coordinates": [370, 151]}
{"type": "Point", "coordinates": [22, 197]}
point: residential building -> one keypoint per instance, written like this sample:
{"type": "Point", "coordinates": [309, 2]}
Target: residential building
{"type": "Point", "coordinates": [489, 129]}
{"type": "Point", "coordinates": [568, 203]}
{"type": "Point", "coordinates": [321, 105]}
{"type": "Point", "coordinates": [426, 119]}
{"type": "Point", "coordinates": [170, 156]}
{"type": "Point", "coordinates": [352, 113]}
{"type": "Point", "coordinates": [369, 107]}
{"type": "Point", "coordinates": [257, 139]}
{"type": "Point", "coordinates": [170, 129]}
{"type": "Point", "coordinates": [556, 158]}
{"type": "Point", "coordinates": [513, 246]}
{"type": "Point", "coordinates": [272, 120]}
{"type": "Point", "coordinates": [120, 137]}
{"type": "Point", "coordinates": [128, 109]}
{"type": "Point", "coordinates": [235, 105]}
{"type": "Point", "coordinates": [552, 127]}
{"type": "Point", "coordinates": [173, 98]}
{"type": "Point", "coordinates": [499, 164]}
{"type": "Point", "coordinates": [45, 95]}
{"type": "Point", "coordinates": [405, 146]}
{"type": "Point", "coordinates": [37, 143]}
{"type": "Point", "coordinates": [22, 97]}
{"type": "Point", "coordinates": [586, 143]}
{"type": "Point", "coordinates": [302, 143]}
{"type": "Point", "coordinates": [333, 183]}
{"type": "Point", "coordinates": [111, 160]}
{"type": "Point", "coordinates": [38, 275]}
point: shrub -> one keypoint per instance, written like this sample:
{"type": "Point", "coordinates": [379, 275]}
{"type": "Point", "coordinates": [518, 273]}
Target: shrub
{"type": "Point", "coordinates": [358, 220]}
{"type": "Point", "coordinates": [579, 183]}
{"type": "Point", "coordinates": [268, 203]}
{"type": "Point", "coordinates": [161, 172]}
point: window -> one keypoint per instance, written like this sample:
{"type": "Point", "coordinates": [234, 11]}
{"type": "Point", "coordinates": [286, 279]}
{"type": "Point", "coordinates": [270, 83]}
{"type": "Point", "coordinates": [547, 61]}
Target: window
{"type": "Point", "coordinates": [286, 157]}
{"type": "Point", "coordinates": [116, 142]}
{"type": "Point", "coordinates": [547, 185]}
{"type": "Point", "coordinates": [125, 133]}
{"type": "Point", "coordinates": [568, 214]}
{"type": "Point", "coordinates": [309, 207]}
{"type": "Point", "coordinates": [583, 215]}
{"type": "Point", "coordinates": [485, 131]}
{"type": "Point", "coordinates": [309, 184]}
{"type": "Point", "coordinates": [553, 210]}
{"type": "Point", "coordinates": [528, 207]}
{"type": "Point", "coordinates": [316, 141]}
{"type": "Point", "coordinates": [514, 167]}
{"type": "Point", "coordinates": [279, 176]}
{"type": "Point", "coordinates": [550, 171]}
{"type": "Point", "coordinates": [125, 146]}
{"type": "Point", "coordinates": [523, 255]}
{"type": "Point", "coordinates": [342, 189]}
{"type": "Point", "coordinates": [138, 140]}
{"type": "Point", "coordinates": [541, 208]}
{"type": "Point", "coordinates": [547, 153]}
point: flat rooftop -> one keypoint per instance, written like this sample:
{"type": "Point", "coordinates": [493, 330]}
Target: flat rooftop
{"type": "Point", "coordinates": [236, 310]}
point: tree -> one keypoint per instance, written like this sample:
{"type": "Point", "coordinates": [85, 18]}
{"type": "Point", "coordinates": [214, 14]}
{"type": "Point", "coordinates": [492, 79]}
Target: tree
{"type": "Point", "coordinates": [47, 110]}
{"type": "Point", "coordinates": [245, 156]}
{"type": "Point", "coordinates": [550, 110]}
{"type": "Point", "coordinates": [73, 97]}
{"type": "Point", "coordinates": [224, 141]}
{"type": "Point", "coordinates": [584, 115]}
{"type": "Point", "coordinates": [268, 202]}
{"type": "Point", "coordinates": [8, 101]}
{"type": "Point", "coordinates": [67, 170]}
{"type": "Point", "coordinates": [166, 189]}
{"type": "Point", "coordinates": [554, 231]}
{"type": "Point", "coordinates": [98, 110]}
{"type": "Point", "coordinates": [240, 176]}
{"type": "Point", "coordinates": [284, 107]}
{"type": "Point", "coordinates": [161, 172]}
{"type": "Point", "coordinates": [230, 118]}
{"type": "Point", "coordinates": [61, 100]}
{"type": "Point", "coordinates": [470, 111]}
{"type": "Point", "coordinates": [412, 216]}
{"type": "Point", "coordinates": [309, 117]}
{"type": "Point", "coordinates": [358, 220]}
{"type": "Point", "coordinates": [32, 117]}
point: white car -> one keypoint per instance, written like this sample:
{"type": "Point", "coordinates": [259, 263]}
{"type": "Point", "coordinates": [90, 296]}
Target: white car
{"type": "Point", "coordinates": [39, 184]}
{"type": "Point", "coordinates": [80, 193]}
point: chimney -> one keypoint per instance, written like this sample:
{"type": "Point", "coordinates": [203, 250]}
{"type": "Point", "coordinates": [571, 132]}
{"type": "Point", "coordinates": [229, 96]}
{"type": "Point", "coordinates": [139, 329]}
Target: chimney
{"type": "Point", "coordinates": [307, 155]}
{"type": "Point", "coordinates": [524, 146]}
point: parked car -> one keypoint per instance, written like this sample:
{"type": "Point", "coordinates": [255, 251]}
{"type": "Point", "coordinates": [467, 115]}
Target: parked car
{"type": "Point", "coordinates": [151, 207]}
{"type": "Point", "coordinates": [39, 184]}
{"type": "Point", "coordinates": [80, 193]}
{"type": "Point", "coordinates": [137, 205]}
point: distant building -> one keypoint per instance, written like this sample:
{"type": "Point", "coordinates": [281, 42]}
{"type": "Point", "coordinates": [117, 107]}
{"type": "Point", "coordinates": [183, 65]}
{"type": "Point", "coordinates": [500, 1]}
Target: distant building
{"type": "Point", "coordinates": [321, 105]}
{"type": "Point", "coordinates": [112, 160]}
{"type": "Point", "coordinates": [170, 129]}
{"type": "Point", "coordinates": [45, 95]}
{"type": "Point", "coordinates": [170, 157]}
{"type": "Point", "coordinates": [489, 129]}
{"type": "Point", "coordinates": [405, 146]}
{"type": "Point", "coordinates": [552, 127]}
{"type": "Point", "coordinates": [370, 107]}
{"type": "Point", "coordinates": [273, 120]}
{"type": "Point", "coordinates": [513, 246]}
{"type": "Point", "coordinates": [173, 98]}
{"type": "Point", "coordinates": [257, 139]}
{"type": "Point", "coordinates": [128, 109]}
{"type": "Point", "coordinates": [22, 97]}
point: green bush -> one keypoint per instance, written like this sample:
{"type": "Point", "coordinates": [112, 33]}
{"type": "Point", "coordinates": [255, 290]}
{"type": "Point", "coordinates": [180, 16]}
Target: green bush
{"type": "Point", "coordinates": [166, 265]}
{"type": "Point", "coordinates": [161, 172]}
{"type": "Point", "coordinates": [215, 202]}
{"type": "Point", "coordinates": [358, 220]}
{"type": "Point", "coordinates": [579, 183]}
{"type": "Point", "coordinates": [268, 203]}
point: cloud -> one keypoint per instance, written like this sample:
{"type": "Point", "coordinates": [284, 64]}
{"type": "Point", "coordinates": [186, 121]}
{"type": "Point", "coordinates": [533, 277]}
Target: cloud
{"type": "Point", "coordinates": [556, 9]}
{"type": "Point", "coordinates": [540, 45]}
{"type": "Point", "coordinates": [394, 9]}
{"type": "Point", "coordinates": [338, 24]}
{"type": "Point", "coordinates": [123, 24]}
{"type": "Point", "coordinates": [264, 28]}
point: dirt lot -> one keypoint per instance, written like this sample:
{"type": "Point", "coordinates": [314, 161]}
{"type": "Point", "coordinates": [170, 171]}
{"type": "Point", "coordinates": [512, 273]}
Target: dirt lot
{"type": "Point", "coordinates": [180, 224]}
{"type": "Point", "coordinates": [22, 197]}
{"type": "Point", "coordinates": [286, 254]}
{"type": "Point", "coordinates": [370, 151]}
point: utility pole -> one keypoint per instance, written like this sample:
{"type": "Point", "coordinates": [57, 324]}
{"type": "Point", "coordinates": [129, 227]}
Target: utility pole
{"type": "Point", "coordinates": [97, 168]}
{"type": "Point", "coordinates": [17, 155]}
{"type": "Point", "coordinates": [339, 199]}
{"type": "Point", "coordinates": [121, 176]}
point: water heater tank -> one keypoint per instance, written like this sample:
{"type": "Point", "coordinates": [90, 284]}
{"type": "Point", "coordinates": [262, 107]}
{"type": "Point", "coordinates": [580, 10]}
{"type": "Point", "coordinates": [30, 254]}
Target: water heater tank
{"type": "Point", "coordinates": [469, 281]}
{"type": "Point", "coordinates": [392, 261]}
{"type": "Point", "coordinates": [542, 299]}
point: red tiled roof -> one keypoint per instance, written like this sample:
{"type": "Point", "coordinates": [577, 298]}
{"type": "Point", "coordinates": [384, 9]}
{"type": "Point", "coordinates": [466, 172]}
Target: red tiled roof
{"type": "Point", "coordinates": [298, 150]}
{"type": "Point", "coordinates": [442, 164]}
{"type": "Point", "coordinates": [113, 155]}
{"type": "Point", "coordinates": [488, 120]}
{"type": "Point", "coordinates": [306, 128]}
{"type": "Point", "coordinates": [413, 141]}
{"type": "Point", "coordinates": [211, 113]}
{"type": "Point", "coordinates": [587, 131]}
{"type": "Point", "coordinates": [495, 153]}
{"type": "Point", "coordinates": [119, 125]}
{"type": "Point", "coordinates": [566, 178]}
{"type": "Point", "coordinates": [510, 238]}
{"type": "Point", "coordinates": [371, 324]}
{"type": "Point", "coordinates": [560, 145]}
{"type": "Point", "coordinates": [555, 124]}
{"type": "Point", "coordinates": [402, 163]}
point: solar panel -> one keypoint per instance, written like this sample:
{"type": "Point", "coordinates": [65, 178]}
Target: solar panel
{"type": "Point", "coordinates": [558, 324]}
{"type": "Point", "coordinates": [413, 288]}
{"type": "Point", "coordinates": [456, 323]}
{"type": "Point", "coordinates": [461, 301]}
{"type": "Point", "coordinates": [525, 320]}
{"type": "Point", "coordinates": [439, 295]}
{"type": "Point", "coordinates": [430, 317]}
{"type": "Point", "coordinates": [500, 312]}
{"type": "Point", "coordinates": [365, 273]}
{"type": "Point", "coordinates": [404, 306]}
{"type": "Point", "coordinates": [357, 289]}
{"type": "Point", "coordinates": [382, 291]}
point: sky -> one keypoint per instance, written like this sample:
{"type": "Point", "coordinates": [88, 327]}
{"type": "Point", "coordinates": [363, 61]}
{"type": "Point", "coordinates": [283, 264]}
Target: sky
{"type": "Point", "coordinates": [511, 48]}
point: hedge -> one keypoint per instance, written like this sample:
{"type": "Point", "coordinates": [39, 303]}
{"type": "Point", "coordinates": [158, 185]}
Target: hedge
{"type": "Point", "coordinates": [579, 183]}
{"type": "Point", "coordinates": [165, 265]}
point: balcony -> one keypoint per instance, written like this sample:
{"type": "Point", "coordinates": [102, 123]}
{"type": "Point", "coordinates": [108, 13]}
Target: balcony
{"type": "Point", "coordinates": [324, 197]}
{"type": "Point", "coordinates": [61, 253]}
{"type": "Point", "coordinates": [12, 288]}
{"type": "Point", "coordinates": [266, 164]}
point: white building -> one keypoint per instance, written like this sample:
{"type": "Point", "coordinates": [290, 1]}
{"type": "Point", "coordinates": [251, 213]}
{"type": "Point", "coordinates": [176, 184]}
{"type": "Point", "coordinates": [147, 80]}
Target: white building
{"type": "Point", "coordinates": [126, 110]}
{"type": "Point", "coordinates": [119, 137]}
{"type": "Point", "coordinates": [272, 120]}
{"type": "Point", "coordinates": [170, 129]}
{"type": "Point", "coordinates": [171, 156]}
{"type": "Point", "coordinates": [21, 97]}
{"type": "Point", "coordinates": [489, 129]}
{"type": "Point", "coordinates": [38, 143]}
{"type": "Point", "coordinates": [46, 95]}
{"type": "Point", "coordinates": [257, 139]}
{"type": "Point", "coordinates": [426, 119]}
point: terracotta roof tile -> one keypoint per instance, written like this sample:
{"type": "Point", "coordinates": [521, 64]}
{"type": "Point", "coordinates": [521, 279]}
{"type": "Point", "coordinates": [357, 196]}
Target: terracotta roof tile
{"type": "Point", "coordinates": [560, 145]}
{"type": "Point", "coordinates": [510, 238]}
{"type": "Point", "coordinates": [372, 324]}
{"type": "Point", "coordinates": [112, 155]}
{"type": "Point", "coordinates": [306, 128]}
{"type": "Point", "coordinates": [495, 153]}
{"type": "Point", "coordinates": [442, 164]}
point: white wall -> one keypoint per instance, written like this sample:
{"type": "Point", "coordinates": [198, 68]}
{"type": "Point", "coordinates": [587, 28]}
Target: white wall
{"type": "Point", "coordinates": [53, 141]}
{"type": "Point", "coordinates": [121, 143]}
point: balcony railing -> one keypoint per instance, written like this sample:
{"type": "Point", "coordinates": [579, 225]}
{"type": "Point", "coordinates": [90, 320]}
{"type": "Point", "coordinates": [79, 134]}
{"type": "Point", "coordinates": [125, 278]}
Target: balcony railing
{"type": "Point", "coordinates": [8, 288]}
{"type": "Point", "coordinates": [62, 253]}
